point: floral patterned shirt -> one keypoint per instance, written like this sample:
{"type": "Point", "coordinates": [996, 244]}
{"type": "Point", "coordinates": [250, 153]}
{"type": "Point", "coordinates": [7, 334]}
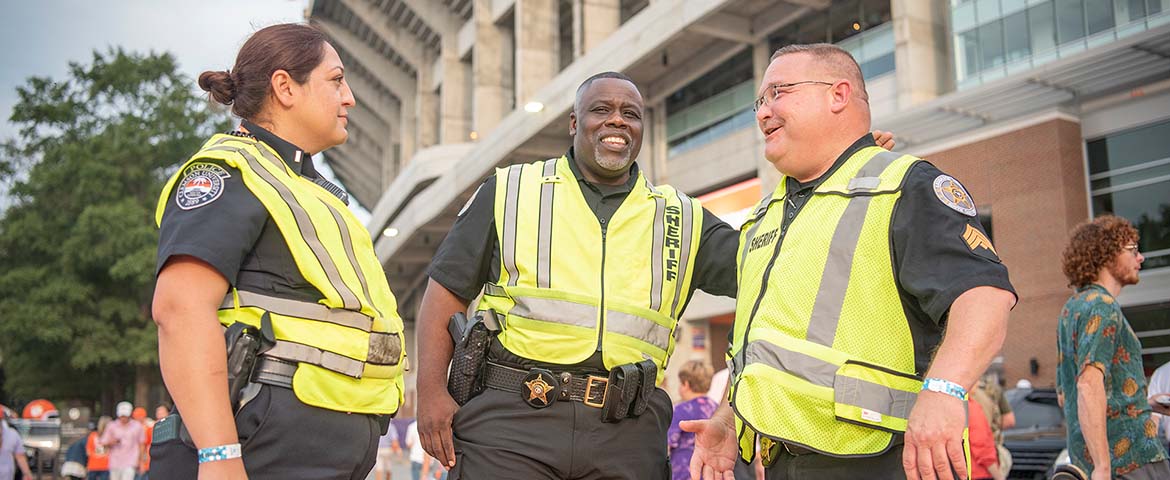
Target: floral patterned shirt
{"type": "Point", "coordinates": [1093, 331]}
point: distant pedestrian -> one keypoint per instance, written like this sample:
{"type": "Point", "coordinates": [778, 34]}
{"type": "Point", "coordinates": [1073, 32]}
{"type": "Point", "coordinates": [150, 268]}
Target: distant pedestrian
{"type": "Point", "coordinates": [387, 448]}
{"type": "Point", "coordinates": [694, 379]}
{"type": "Point", "coordinates": [139, 415]}
{"type": "Point", "coordinates": [984, 457]}
{"type": "Point", "coordinates": [12, 454]}
{"type": "Point", "coordinates": [124, 437]}
{"type": "Point", "coordinates": [1159, 396]}
{"type": "Point", "coordinates": [1100, 377]}
{"type": "Point", "coordinates": [97, 463]}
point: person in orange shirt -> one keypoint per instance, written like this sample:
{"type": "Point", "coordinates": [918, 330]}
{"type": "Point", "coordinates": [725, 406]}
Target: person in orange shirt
{"type": "Point", "coordinates": [139, 415]}
{"type": "Point", "coordinates": [984, 455]}
{"type": "Point", "coordinates": [98, 465]}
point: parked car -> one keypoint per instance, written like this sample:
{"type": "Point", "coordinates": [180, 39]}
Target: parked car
{"type": "Point", "coordinates": [42, 442]}
{"type": "Point", "coordinates": [1038, 437]}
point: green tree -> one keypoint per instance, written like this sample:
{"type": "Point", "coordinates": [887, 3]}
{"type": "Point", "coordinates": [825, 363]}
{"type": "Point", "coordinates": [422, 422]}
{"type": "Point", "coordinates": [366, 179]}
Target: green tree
{"type": "Point", "coordinates": [77, 245]}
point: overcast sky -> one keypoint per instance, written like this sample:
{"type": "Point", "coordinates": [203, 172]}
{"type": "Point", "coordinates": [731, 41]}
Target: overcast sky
{"type": "Point", "coordinates": [41, 37]}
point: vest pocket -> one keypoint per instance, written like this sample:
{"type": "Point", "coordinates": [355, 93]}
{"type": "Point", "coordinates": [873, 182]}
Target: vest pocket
{"type": "Point", "coordinates": [873, 396]}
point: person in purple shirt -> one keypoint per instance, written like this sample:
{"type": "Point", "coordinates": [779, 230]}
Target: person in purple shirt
{"type": "Point", "coordinates": [694, 379]}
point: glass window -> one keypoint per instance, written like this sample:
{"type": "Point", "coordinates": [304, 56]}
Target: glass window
{"type": "Point", "coordinates": [991, 42]}
{"type": "Point", "coordinates": [969, 50]}
{"type": "Point", "coordinates": [1015, 33]}
{"type": "Point", "coordinates": [1129, 10]}
{"type": "Point", "coordinates": [1099, 14]}
{"type": "Point", "coordinates": [1151, 323]}
{"type": "Point", "coordinates": [1158, 6]}
{"type": "Point", "coordinates": [1070, 20]}
{"type": "Point", "coordinates": [1042, 27]}
{"type": "Point", "coordinates": [1130, 177]}
{"type": "Point", "coordinates": [963, 17]}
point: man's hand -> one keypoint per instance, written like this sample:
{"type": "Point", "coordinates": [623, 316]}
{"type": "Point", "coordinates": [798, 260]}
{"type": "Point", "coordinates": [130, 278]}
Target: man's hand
{"type": "Point", "coordinates": [934, 438]}
{"type": "Point", "coordinates": [1161, 404]}
{"type": "Point", "coordinates": [1102, 473]}
{"type": "Point", "coordinates": [715, 446]}
{"type": "Point", "coordinates": [884, 139]}
{"type": "Point", "coordinates": [434, 426]}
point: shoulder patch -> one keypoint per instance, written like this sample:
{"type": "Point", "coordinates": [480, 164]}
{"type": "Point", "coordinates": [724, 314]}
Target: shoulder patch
{"type": "Point", "coordinates": [202, 183]}
{"type": "Point", "coordinates": [979, 243]}
{"type": "Point", "coordinates": [952, 194]}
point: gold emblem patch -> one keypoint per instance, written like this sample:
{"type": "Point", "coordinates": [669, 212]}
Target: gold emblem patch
{"type": "Point", "coordinates": [538, 389]}
{"type": "Point", "coordinates": [976, 239]}
{"type": "Point", "coordinates": [952, 194]}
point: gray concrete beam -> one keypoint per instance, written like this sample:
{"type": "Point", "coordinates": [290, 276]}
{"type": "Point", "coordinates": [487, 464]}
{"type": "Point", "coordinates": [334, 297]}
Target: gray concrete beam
{"type": "Point", "coordinates": [725, 26]}
{"type": "Point", "coordinates": [438, 17]}
{"type": "Point", "coordinates": [393, 78]}
{"type": "Point", "coordinates": [692, 68]}
{"type": "Point", "coordinates": [407, 45]}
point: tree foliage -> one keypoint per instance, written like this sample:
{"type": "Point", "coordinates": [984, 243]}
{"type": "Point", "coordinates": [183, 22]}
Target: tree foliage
{"type": "Point", "coordinates": [78, 243]}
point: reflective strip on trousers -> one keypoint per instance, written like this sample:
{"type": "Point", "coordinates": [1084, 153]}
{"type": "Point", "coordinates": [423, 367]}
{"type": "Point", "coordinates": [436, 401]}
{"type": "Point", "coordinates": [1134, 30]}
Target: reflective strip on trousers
{"type": "Point", "coordinates": [545, 228]}
{"type": "Point", "coordinates": [847, 390]}
{"type": "Point", "coordinates": [684, 251]}
{"type": "Point", "coordinates": [826, 312]}
{"type": "Point", "coordinates": [307, 230]}
{"type": "Point", "coordinates": [295, 308]}
{"type": "Point", "coordinates": [297, 352]}
{"type": "Point", "coordinates": [656, 271]}
{"type": "Point", "coordinates": [511, 211]}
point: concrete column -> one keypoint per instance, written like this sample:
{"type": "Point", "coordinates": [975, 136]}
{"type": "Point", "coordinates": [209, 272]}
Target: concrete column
{"type": "Point", "coordinates": [391, 163]}
{"type": "Point", "coordinates": [408, 128]}
{"type": "Point", "coordinates": [653, 156]}
{"type": "Point", "coordinates": [769, 176]}
{"type": "Point", "coordinates": [593, 22]}
{"type": "Point", "coordinates": [427, 105]}
{"type": "Point", "coordinates": [922, 50]}
{"type": "Point", "coordinates": [454, 106]}
{"type": "Point", "coordinates": [537, 45]}
{"type": "Point", "coordinates": [491, 65]}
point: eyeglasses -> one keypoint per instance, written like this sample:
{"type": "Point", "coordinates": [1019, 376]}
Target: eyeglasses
{"type": "Point", "coordinates": [769, 96]}
{"type": "Point", "coordinates": [1131, 248]}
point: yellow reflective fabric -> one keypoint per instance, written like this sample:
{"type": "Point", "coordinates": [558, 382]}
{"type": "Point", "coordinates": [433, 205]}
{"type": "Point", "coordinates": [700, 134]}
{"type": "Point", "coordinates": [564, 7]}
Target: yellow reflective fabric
{"type": "Point", "coordinates": [822, 352]}
{"type": "Point", "coordinates": [334, 252]}
{"type": "Point", "coordinates": [566, 289]}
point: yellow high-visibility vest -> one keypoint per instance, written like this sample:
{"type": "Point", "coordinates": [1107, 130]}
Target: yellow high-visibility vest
{"type": "Point", "coordinates": [568, 288]}
{"type": "Point", "coordinates": [822, 355]}
{"type": "Point", "coordinates": [349, 343]}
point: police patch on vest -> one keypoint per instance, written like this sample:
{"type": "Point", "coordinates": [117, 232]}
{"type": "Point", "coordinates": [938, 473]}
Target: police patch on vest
{"type": "Point", "coordinates": [952, 194]}
{"type": "Point", "coordinates": [202, 183]}
{"type": "Point", "coordinates": [762, 240]}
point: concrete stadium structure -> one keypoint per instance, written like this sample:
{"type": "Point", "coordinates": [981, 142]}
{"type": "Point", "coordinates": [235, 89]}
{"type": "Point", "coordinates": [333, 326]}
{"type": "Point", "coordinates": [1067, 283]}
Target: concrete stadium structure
{"type": "Point", "coordinates": [1049, 111]}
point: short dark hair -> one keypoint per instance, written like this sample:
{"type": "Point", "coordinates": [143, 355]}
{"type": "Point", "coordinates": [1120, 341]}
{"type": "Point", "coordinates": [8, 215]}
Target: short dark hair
{"type": "Point", "coordinates": [1093, 246]}
{"type": "Point", "coordinates": [293, 47]}
{"type": "Point", "coordinates": [599, 76]}
{"type": "Point", "coordinates": [835, 58]}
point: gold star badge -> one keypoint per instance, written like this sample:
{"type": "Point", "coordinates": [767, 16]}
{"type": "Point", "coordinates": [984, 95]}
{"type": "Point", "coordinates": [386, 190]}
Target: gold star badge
{"type": "Point", "coordinates": [538, 388]}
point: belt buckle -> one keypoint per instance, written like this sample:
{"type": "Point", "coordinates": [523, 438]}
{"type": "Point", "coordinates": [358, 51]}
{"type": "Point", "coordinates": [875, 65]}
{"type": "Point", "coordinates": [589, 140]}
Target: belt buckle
{"type": "Point", "coordinates": [590, 382]}
{"type": "Point", "coordinates": [539, 388]}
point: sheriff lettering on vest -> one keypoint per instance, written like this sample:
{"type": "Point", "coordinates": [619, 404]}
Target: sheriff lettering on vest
{"type": "Point", "coordinates": [585, 268]}
{"type": "Point", "coordinates": [850, 273]}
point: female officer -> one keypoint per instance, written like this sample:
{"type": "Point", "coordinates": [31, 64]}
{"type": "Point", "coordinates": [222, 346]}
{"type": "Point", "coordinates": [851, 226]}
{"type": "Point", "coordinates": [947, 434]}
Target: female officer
{"type": "Point", "coordinates": [251, 234]}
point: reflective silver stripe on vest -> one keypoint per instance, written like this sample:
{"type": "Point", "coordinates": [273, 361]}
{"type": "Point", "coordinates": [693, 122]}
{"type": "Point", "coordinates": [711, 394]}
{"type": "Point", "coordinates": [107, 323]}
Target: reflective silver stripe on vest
{"type": "Point", "coordinates": [544, 230]}
{"type": "Point", "coordinates": [826, 312]}
{"type": "Point", "coordinates": [751, 233]}
{"type": "Point", "coordinates": [555, 311]}
{"type": "Point", "coordinates": [812, 369]}
{"type": "Point", "coordinates": [511, 206]}
{"type": "Point", "coordinates": [684, 251]}
{"type": "Point", "coordinates": [637, 327]}
{"type": "Point", "coordinates": [871, 396]}
{"type": "Point", "coordinates": [846, 390]}
{"type": "Point", "coordinates": [656, 272]}
{"type": "Point", "coordinates": [295, 308]}
{"type": "Point", "coordinates": [347, 242]}
{"type": "Point", "coordinates": [297, 352]}
{"type": "Point", "coordinates": [304, 224]}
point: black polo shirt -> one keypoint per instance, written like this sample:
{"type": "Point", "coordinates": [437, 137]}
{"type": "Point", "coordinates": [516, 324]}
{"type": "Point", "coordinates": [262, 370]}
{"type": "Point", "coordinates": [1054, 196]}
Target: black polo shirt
{"type": "Point", "coordinates": [469, 257]}
{"type": "Point", "coordinates": [234, 233]}
{"type": "Point", "coordinates": [933, 264]}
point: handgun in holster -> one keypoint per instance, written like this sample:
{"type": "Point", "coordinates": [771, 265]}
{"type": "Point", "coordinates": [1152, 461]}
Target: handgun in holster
{"type": "Point", "coordinates": [245, 343]}
{"type": "Point", "coordinates": [471, 339]}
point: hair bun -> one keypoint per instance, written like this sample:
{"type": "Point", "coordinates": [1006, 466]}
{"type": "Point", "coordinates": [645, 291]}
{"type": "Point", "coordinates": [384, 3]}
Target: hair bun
{"type": "Point", "coordinates": [219, 84]}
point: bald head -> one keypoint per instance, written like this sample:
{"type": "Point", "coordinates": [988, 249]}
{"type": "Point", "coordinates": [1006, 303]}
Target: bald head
{"type": "Point", "coordinates": [833, 61]}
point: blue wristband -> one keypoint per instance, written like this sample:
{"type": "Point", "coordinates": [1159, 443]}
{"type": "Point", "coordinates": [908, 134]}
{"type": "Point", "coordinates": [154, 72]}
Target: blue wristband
{"type": "Point", "coordinates": [946, 387]}
{"type": "Point", "coordinates": [222, 452]}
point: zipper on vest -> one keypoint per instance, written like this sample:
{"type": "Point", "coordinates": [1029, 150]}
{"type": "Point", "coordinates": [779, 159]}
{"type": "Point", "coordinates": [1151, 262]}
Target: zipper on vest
{"type": "Point", "coordinates": [601, 311]}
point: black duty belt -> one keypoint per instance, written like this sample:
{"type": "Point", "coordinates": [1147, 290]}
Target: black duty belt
{"type": "Point", "coordinates": [275, 372]}
{"type": "Point", "coordinates": [540, 387]}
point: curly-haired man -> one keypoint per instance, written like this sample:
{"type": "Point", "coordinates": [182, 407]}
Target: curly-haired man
{"type": "Point", "coordinates": [1100, 377]}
